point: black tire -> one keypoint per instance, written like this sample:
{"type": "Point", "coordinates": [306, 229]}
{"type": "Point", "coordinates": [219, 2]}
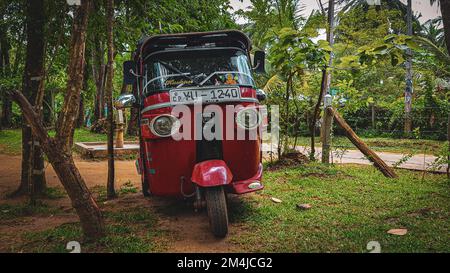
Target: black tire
{"type": "Point", "coordinates": [145, 186]}
{"type": "Point", "coordinates": [217, 211]}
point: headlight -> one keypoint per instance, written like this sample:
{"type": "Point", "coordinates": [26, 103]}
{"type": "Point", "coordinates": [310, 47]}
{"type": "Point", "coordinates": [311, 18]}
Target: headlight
{"type": "Point", "coordinates": [164, 125]}
{"type": "Point", "coordinates": [248, 118]}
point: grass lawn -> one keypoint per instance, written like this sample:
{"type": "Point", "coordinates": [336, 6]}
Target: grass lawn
{"type": "Point", "coordinates": [11, 140]}
{"type": "Point", "coordinates": [404, 146]}
{"type": "Point", "coordinates": [128, 231]}
{"type": "Point", "coordinates": [351, 206]}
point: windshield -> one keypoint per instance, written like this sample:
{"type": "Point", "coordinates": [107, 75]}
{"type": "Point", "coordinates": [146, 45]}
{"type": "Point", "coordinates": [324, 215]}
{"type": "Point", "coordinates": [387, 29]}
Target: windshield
{"type": "Point", "coordinates": [170, 70]}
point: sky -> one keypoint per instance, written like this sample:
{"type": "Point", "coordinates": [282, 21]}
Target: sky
{"type": "Point", "coordinates": [422, 6]}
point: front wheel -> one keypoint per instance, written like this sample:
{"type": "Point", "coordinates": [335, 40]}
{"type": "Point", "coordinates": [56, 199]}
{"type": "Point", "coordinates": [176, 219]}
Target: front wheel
{"type": "Point", "coordinates": [217, 211]}
{"type": "Point", "coordinates": [145, 187]}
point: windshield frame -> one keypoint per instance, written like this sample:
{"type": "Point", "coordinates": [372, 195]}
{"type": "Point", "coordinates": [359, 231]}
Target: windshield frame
{"type": "Point", "coordinates": [147, 81]}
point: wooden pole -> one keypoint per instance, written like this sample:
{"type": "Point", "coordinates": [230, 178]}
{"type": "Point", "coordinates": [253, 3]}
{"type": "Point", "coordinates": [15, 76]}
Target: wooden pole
{"type": "Point", "coordinates": [371, 155]}
{"type": "Point", "coordinates": [326, 78]}
{"type": "Point", "coordinates": [326, 143]}
{"type": "Point", "coordinates": [119, 131]}
{"type": "Point", "coordinates": [326, 129]}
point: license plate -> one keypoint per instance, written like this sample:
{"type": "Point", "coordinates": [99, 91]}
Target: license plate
{"type": "Point", "coordinates": [215, 95]}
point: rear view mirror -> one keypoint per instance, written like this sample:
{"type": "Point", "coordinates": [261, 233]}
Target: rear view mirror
{"type": "Point", "coordinates": [259, 62]}
{"type": "Point", "coordinates": [129, 76]}
{"type": "Point", "coordinates": [261, 95]}
{"type": "Point", "coordinates": [125, 101]}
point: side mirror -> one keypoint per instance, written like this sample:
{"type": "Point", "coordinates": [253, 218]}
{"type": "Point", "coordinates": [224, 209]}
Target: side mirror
{"type": "Point", "coordinates": [125, 101]}
{"type": "Point", "coordinates": [129, 76]}
{"type": "Point", "coordinates": [261, 95]}
{"type": "Point", "coordinates": [259, 62]}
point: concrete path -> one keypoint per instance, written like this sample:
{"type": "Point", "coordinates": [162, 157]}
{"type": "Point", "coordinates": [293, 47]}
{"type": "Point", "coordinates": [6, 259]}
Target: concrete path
{"type": "Point", "coordinates": [417, 162]}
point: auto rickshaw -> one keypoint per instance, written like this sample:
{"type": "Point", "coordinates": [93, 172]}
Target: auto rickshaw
{"type": "Point", "coordinates": [196, 71]}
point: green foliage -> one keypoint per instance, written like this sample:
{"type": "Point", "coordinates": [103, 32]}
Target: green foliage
{"type": "Point", "coordinates": [292, 51]}
{"type": "Point", "coordinates": [351, 206]}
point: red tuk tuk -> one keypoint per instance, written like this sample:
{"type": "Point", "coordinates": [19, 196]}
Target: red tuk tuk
{"type": "Point", "coordinates": [196, 71]}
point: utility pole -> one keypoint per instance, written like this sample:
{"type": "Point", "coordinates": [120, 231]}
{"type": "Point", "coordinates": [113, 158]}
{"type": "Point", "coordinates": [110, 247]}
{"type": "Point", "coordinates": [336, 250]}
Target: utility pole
{"type": "Point", "coordinates": [409, 74]}
{"type": "Point", "coordinates": [327, 119]}
{"type": "Point", "coordinates": [330, 39]}
{"type": "Point", "coordinates": [327, 125]}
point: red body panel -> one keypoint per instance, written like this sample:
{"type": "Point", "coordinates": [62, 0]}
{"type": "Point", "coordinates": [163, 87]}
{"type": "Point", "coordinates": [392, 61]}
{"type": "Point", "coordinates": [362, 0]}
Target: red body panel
{"type": "Point", "coordinates": [241, 187]}
{"type": "Point", "coordinates": [169, 163]}
{"type": "Point", "coordinates": [211, 173]}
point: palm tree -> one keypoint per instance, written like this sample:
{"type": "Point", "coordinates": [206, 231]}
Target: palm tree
{"type": "Point", "coordinates": [390, 4]}
{"type": "Point", "coordinates": [268, 14]}
{"type": "Point", "coordinates": [347, 5]}
{"type": "Point", "coordinates": [445, 10]}
{"type": "Point", "coordinates": [431, 31]}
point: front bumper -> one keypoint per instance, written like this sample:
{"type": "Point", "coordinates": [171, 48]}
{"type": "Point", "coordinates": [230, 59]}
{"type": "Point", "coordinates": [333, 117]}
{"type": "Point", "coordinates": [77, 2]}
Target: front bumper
{"type": "Point", "coordinates": [248, 185]}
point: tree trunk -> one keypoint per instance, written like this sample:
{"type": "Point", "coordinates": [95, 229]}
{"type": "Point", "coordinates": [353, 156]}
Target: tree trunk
{"type": "Point", "coordinates": [69, 111]}
{"type": "Point", "coordinates": [373, 116]}
{"type": "Point", "coordinates": [409, 82]}
{"type": "Point", "coordinates": [6, 120]}
{"type": "Point", "coordinates": [445, 10]}
{"type": "Point", "coordinates": [33, 175]}
{"type": "Point", "coordinates": [68, 174]}
{"type": "Point", "coordinates": [326, 77]}
{"type": "Point", "coordinates": [58, 149]}
{"type": "Point", "coordinates": [4, 52]}
{"type": "Point", "coordinates": [98, 73]}
{"type": "Point", "coordinates": [6, 115]}
{"type": "Point", "coordinates": [132, 129]}
{"type": "Point", "coordinates": [371, 155]}
{"type": "Point", "coordinates": [111, 193]}
{"type": "Point", "coordinates": [49, 104]}
{"type": "Point", "coordinates": [81, 117]}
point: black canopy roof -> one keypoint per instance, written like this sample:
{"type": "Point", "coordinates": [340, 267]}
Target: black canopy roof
{"type": "Point", "coordinates": [226, 38]}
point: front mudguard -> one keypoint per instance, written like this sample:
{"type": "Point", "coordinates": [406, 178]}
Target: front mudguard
{"type": "Point", "coordinates": [211, 173]}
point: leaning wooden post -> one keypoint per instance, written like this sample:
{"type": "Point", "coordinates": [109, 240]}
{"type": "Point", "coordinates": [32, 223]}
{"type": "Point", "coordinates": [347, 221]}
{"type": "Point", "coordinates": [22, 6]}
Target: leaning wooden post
{"type": "Point", "coordinates": [326, 129]}
{"type": "Point", "coordinates": [371, 155]}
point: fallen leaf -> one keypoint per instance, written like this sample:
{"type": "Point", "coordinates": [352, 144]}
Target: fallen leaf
{"type": "Point", "coordinates": [304, 206]}
{"type": "Point", "coordinates": [276, 200]}
{"type": "Point", "coordinates": [399, 231]}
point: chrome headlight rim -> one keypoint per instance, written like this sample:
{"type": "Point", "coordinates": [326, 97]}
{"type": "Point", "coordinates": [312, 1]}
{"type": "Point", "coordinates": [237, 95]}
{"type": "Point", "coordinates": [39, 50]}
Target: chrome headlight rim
{"type": "Point", "coordinates": [240, 115]}
{"type": "Point", "coordinates": [174, 128]}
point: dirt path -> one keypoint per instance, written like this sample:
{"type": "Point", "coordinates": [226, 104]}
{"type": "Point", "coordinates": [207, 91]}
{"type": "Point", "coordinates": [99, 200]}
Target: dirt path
{"type": "Point", "coordinates": [189, 230]}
